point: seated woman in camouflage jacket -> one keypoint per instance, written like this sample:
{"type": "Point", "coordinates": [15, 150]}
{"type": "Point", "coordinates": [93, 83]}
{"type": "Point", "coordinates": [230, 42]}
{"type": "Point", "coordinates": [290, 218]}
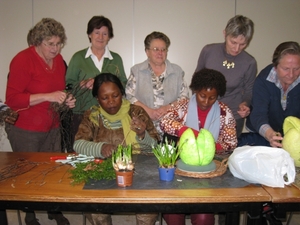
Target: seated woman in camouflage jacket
{"type": "Point", "coordinates": [114, 121]}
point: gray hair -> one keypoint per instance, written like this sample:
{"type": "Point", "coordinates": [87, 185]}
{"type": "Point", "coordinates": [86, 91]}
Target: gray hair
{"type": "Point", "coordinates": [240, 25]}
{"type": "Point", "coordinates": [45, 30]}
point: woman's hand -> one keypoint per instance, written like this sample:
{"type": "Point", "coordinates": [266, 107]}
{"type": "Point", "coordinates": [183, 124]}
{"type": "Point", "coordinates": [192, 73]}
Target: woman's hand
{"type": "Point", "coordinates": [107, 150]}
{"type": "Point", "coordinates": [163, 109]}
{"type": "Point", "coordinates": [70, 101]}
{"type": "Point", "coordinates": [12, 117]}
{"type": "Point", "coordinates": [57, 96]}
{"type": "Point", "coordinates": [138, 126]}
{"type": "Point", "coordinates": [244, 110]}
{"type": "Point", "coordinates": [88, 83]}
{"type": "Point", "coordinates": [274, 138]}
{"type": "Point", "coordinates": [153, 114]}
{"type": "Point", "coordinates": [156, 114]}
{"type": "Point", "coordinates": [60, 98]}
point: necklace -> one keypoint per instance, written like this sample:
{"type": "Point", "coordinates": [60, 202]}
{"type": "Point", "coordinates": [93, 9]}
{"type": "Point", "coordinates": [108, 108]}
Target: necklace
{"type": "Point", "coordinates": [228, 64]}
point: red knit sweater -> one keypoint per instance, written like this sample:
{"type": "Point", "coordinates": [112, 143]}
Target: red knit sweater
{"type": "Point", "coordinates": [29, 74]}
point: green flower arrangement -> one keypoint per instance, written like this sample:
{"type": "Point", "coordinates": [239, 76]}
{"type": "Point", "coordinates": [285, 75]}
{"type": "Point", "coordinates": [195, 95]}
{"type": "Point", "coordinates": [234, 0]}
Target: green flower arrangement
{"type": "Point", "coordinates": [92, 171]}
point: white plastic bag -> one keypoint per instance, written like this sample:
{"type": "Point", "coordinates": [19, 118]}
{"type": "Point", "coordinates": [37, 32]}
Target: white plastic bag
{"type": "Point", "coordinates": [263, 165]}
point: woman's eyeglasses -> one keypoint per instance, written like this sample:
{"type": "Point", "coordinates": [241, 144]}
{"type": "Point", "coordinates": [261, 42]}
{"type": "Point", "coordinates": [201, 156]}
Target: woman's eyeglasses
{"type": "Point", "coordinates": [52, 45]}
{"type": "Point", "coordinates": [156, 50]}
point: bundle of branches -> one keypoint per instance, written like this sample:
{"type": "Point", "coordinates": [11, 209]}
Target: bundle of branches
{"type": "Point", "coordinates": [16, 169]}
{"type": "Point", "coordinates": [7, 113]}
{"type": "Point", "coordinates": [66, 116]}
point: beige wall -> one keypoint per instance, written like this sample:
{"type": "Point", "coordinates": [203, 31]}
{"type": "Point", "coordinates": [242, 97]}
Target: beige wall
{"type": "Point", "coordinates": [190, 24]}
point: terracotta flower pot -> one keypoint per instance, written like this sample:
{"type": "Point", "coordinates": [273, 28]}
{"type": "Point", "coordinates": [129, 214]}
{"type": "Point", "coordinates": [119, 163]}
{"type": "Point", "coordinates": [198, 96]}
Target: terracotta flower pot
{"type": "Point", "coordinates": [124, 178]}
{"type": "Point", "coordinates": [166, 174]}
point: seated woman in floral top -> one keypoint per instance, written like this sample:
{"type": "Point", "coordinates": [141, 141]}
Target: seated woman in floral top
{"type": "Point", "coordinates": [203, 110]}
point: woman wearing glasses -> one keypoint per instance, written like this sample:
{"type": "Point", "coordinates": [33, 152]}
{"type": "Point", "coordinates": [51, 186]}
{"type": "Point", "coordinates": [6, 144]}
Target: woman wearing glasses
{"type": "Point", "coordinates": [156, 84]}
{"type": "Point", "coordinates": [36, 81]}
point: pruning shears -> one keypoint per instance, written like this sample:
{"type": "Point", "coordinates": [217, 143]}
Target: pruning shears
{"type": "Point", "coordinates": [73, 159]}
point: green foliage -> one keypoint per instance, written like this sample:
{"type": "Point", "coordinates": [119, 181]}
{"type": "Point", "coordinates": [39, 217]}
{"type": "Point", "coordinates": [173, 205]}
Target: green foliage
{"type": "Point", "coordinates": [92, 171]}
{"type": "Point", "coordinates": [166, 154]}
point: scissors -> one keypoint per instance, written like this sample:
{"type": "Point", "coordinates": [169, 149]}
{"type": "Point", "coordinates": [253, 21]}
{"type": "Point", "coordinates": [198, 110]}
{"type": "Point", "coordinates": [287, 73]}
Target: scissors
{"type": "Point", "coordinates": [73, 159]}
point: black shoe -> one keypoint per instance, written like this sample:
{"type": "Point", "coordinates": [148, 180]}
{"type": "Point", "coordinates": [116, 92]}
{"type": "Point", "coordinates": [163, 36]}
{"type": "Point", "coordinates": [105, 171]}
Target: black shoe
{"type": "Point", "coordinates": [60, 219]}
{"type": "Point", "coordinates": [30, 218]}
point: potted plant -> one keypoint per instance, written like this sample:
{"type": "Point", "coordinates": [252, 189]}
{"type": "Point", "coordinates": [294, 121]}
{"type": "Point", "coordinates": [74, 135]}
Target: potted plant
{"type": "Point", "coordinates": [166, 155]}
{"type": "Point", "coordinates": [123, 165]}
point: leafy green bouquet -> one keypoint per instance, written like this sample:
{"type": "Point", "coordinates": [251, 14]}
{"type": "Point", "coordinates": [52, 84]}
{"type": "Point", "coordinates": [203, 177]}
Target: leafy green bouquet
{"type": "Point", "coordinates": [92, 171]}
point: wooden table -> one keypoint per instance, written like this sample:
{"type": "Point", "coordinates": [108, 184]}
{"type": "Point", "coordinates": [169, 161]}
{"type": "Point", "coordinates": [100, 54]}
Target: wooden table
{"type": "Point", "coordinates": [33, 191]}
{"type": "Point", "coordinates": [284, 200]}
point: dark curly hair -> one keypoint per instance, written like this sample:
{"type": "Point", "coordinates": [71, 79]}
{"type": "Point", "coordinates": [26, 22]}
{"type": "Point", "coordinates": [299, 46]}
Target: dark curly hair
{"type": "Point", "coordinates": [208, 78]}
{"type": "Point", "coordinates": [106, 77]}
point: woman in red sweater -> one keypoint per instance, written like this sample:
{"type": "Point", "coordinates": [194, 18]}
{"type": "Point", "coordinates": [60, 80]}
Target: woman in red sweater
{"type": "Point", "coordinates": [36, 80]}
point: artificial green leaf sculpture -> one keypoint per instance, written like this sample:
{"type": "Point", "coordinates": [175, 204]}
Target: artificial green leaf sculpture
{"type": "Point", "coordinates": [197, 151]}
{"type": "Point", "coordinates": [291, 139]}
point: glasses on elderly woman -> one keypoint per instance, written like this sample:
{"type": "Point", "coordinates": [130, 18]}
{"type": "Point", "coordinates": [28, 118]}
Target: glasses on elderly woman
{"type": "Point", "coordinates": [52, 45]}
{"type": "Point", "coordinates": [156, 50]}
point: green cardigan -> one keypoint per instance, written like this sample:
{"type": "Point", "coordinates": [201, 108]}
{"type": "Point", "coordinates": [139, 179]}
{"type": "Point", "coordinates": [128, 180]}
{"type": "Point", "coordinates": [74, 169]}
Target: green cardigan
{"type": "Point", "coordinates": [81, 68]}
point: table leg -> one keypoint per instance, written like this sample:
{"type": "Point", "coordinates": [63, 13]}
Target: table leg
{"type": "Point", "coordinates": [257, 220]}
{"type": "Point", "coordinates": [3, 217]}
{"type": "Point", "coordinates": [232, 218]}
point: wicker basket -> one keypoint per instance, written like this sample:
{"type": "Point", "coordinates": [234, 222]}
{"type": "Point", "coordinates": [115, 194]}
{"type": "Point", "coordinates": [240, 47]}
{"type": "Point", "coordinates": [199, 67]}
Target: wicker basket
{"type": "Point", "coordinates": [221, 168]}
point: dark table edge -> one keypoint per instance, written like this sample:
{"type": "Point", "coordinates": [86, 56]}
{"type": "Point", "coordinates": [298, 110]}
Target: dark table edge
{"type": "Point", "coordinates": [232, 210]}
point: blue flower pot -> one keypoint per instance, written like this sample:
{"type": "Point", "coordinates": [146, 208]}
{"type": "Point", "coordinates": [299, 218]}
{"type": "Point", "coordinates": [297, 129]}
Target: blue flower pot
{"type": "Point", "coordinates": [166, 174]}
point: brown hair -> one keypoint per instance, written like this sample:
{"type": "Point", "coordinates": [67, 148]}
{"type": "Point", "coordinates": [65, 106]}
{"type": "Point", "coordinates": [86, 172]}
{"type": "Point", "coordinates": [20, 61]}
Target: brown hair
{"type": "Point", "coordinates": [96, 22]}
{"type": "Point", "coordinates": [289, 47]}
{"type": "Point", "coordinates": [156, 35]}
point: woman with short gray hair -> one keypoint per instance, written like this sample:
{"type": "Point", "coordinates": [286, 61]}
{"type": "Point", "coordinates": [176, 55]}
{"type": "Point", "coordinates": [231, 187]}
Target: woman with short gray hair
{"type": "Point", "coordinates": [238, 67]}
